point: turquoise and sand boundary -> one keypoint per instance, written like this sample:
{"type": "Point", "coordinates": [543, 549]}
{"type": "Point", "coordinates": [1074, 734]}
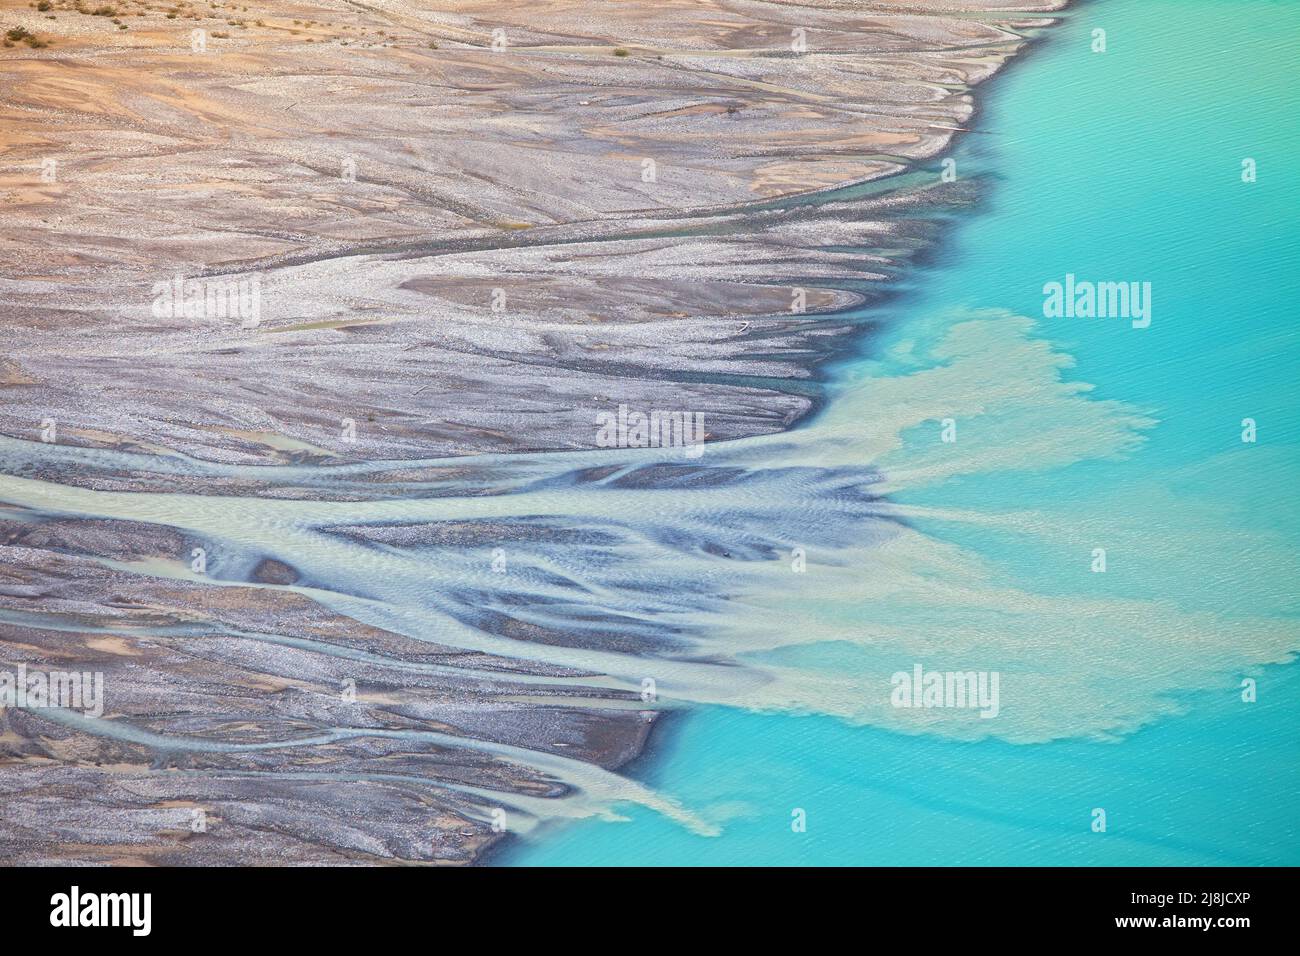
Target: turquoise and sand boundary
{"type": "Point", "coordinates": [1120, 690]}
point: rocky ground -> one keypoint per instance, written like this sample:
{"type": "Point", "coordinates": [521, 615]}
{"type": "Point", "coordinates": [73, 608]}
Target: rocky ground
{"type": "Point", "coordinates": [615, 200]}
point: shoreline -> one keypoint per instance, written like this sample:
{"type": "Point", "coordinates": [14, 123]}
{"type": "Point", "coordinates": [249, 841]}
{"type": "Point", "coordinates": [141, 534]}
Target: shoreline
{"type": "Point", "coordinates": [49, 550]}
{"type": "Point", "coordinates": [670, 723]}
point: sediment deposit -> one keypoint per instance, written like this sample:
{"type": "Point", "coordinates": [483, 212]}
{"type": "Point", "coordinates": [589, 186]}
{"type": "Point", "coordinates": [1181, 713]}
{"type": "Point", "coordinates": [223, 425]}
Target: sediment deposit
{"type": "Point", "coordinates": [468, 228]}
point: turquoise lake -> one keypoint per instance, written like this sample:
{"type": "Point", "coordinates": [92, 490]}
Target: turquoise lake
{"type": "Point", "coordinates": [1117, 166]}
